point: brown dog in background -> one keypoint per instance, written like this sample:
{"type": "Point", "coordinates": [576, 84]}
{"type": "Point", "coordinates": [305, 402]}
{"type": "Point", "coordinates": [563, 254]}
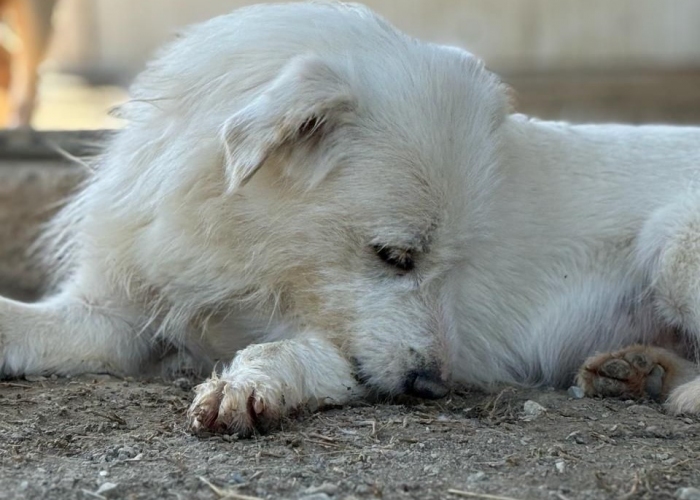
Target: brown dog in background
{"type": "Point", "coordinates": [23, 43]}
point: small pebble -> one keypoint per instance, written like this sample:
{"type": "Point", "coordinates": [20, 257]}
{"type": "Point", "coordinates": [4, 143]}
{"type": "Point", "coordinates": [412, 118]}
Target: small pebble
{"type": "Point", "coordinates": [575, 392]}
{"type": "Point", "coordinates": [533, 410]}
{"type": "Point", "coordinates": [688, 494]}
{"type": "Point", "coordinates": [104, 473]}
{"type": "Point", "coordinates": [125, 453]}
{"type": "Point", "coordinates": [236, 478]}
{"type": "Point", "coordinates": [108, 490]}
{"type": "Point", "coordinates": [476, 477]}
{"type": "Point", "coordinates": [362, 489]}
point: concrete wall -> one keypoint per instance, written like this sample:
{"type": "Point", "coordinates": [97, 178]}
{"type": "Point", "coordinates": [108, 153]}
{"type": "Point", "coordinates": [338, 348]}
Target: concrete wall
{"type": "Point", "coordinates": [114, 37]}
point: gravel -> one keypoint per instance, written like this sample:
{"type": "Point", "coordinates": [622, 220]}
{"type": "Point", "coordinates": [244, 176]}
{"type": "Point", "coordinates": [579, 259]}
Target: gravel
{"type": "Point", "coordinates": [77, 438]}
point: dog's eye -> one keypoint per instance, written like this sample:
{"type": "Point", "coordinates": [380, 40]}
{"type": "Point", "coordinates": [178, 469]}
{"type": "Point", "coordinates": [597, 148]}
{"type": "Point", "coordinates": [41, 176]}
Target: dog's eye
{"type": "Point", "coordinates": [400, 258]}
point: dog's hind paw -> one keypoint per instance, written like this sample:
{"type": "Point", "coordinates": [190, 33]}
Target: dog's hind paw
{"type": "Point", "coordinates": [634, 372]}
{"type": "Point", "coordinates": [234, 407]}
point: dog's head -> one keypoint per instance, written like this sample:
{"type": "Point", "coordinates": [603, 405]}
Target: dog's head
{"type": "Point", "coordinates": [377, 173]}
{"type": "Point", "coordinates": [358, 178]}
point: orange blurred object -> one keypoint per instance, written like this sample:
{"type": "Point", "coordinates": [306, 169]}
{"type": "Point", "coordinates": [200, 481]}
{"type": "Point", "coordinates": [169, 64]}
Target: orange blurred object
{"type": "Point", "coordinates": [24, 39]}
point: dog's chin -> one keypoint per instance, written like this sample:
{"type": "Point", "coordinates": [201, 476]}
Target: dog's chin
{"type": "Point", "coordinates": [379, 395]}
{"type": "Point", "coordinates": [416, 384]}
{"type": "Point", "coordinates": [374, 389]}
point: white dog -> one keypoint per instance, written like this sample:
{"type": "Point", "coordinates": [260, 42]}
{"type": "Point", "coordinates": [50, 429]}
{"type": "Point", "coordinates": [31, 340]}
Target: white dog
{"type": "Point", "coordinates": [340, 208]}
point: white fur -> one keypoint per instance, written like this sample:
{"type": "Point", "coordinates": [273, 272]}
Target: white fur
{"type": "Point", "coordinates": [269, 150]}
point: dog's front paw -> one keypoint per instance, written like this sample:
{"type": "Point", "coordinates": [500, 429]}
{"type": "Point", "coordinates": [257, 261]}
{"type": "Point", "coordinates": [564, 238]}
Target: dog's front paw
{"type": "Point", "coordinates": [635, 372]}
{"type": "Point", "coordinates": [235, 407]}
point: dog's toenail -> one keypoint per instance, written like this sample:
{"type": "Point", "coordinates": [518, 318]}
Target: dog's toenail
{"type": "Point", "coordinates": [655, 383]}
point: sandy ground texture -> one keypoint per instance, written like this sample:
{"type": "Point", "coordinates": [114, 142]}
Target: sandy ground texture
{"type": "Point", "coordinates": [103, 437]}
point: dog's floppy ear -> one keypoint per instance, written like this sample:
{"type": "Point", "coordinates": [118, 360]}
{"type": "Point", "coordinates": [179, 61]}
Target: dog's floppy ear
{"type": "Point", "coordinates": [306, 100]}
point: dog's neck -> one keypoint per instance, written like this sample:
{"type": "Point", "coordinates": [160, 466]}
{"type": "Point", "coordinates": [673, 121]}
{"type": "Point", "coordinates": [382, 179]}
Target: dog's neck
{"type": "Point", "coordinates": [593, 179]}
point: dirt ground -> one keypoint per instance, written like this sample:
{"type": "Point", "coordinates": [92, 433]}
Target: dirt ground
{"type": "Point", "coordinates": [67, 438]}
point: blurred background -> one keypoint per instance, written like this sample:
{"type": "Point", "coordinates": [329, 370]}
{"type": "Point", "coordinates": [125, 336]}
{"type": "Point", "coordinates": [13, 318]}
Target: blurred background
{"type": "Point", "coordinates": [581, 60]}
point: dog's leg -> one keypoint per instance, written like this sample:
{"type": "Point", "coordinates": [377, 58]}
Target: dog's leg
{"type": "Point", "coordinates": [67, 335]}
{"type": "Point", "coordinates": [669, 252]}
{"type": "Point", "coordinates": [267, 381]}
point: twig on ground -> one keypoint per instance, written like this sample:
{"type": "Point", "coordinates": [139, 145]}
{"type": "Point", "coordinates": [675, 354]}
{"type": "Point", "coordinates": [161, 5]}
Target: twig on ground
{"type": "Point", "coordinates": [496, 400]}
{"type": "Point", "coordinates": [109, 416]}
{"type": "Point", "coordinates": [321, 436]}
{"type": "Point", "coordinates": [15, 384]}
{"type": "Point", "coordinates": [635, 486]}
{"type": "Point", "coordinates": [485, 496]}
{"type": "Point", "coordinates": [226, 493]}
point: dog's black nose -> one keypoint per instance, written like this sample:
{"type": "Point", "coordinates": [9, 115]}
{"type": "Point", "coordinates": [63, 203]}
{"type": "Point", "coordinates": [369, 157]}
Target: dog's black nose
{"type": "Point", "coordinates": [425, 384]}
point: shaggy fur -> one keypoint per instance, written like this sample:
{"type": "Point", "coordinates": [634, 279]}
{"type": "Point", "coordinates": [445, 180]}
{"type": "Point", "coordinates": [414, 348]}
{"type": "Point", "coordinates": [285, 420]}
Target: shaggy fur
{"type": "Point", "coordinates": [340, 208]}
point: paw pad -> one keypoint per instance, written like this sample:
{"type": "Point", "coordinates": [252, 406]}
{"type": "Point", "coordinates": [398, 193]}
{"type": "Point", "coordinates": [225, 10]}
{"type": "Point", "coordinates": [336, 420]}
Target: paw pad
{"type": "Point", "coordinates": [635, 372]}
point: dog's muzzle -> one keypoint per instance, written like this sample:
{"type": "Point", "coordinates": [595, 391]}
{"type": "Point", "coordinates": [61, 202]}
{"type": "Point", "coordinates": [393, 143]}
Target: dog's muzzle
{"type": "Point", "coordinates": [426, 384]}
